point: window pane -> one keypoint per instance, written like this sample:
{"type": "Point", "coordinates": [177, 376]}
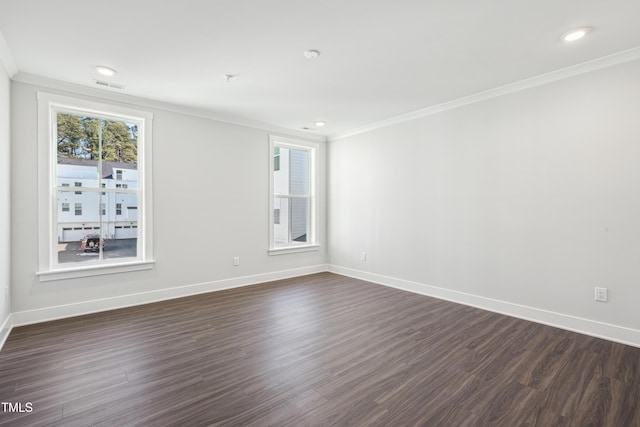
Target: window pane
{"type": "Point", "coordinates": [276, 158]}
{"type": "Point", "coordinates": [78, 227]}
{"type": "Point", "coordinates": [291, 224]}
{"type": "Point", "coordinates": [92, 230]}
{"type": "Point", "coordinates": [281, 174]}
{"type": "Point", "coordinates": [281, 228]}
{"type": "Point", "coordinates": [299, 172]}
{"type": "Point", "coordinates": [91, 150]}
{"type": "Point", "coordinates": [122, 226]}
{"type": "Point", "coordinates": [77, 140]}
{"type": "Point", "coordinates": [299, 218]}
{"type": "Point", "coordinates": [292, 174]}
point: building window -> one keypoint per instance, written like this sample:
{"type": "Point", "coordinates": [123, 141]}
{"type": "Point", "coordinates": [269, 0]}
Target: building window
{"type": "Point", "coordinates": [293, 195]}
{"type": "Point", "coordinates": [90, 144]}
{"type": "Point", "coordinates": [65, 207]}
{"type": "Point", "coordinates": [276, 158]}
{"type": "Point", "coordinates": [118, 208]}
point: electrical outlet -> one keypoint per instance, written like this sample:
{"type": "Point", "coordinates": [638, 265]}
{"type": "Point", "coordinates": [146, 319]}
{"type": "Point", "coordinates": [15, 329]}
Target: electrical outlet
{"type": "Point", "coordinates": [601, 294]}
{"type": "Point", "coordinates": [363, 256]}
{"type": "Point", "coordinates": [236, 261]}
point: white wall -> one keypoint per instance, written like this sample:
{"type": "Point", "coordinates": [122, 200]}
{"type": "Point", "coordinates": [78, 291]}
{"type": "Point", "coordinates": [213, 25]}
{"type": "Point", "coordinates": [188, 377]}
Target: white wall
{"type": "Point", "coordinates": [531, 199]}
{"type": "Point", "coordinates": [210, 204]}
{"type": "Point", "coordinates": [5, 197]}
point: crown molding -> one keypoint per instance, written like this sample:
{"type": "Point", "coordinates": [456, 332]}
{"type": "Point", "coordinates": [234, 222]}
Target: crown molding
{"type": "Point", "coordinates": [563, 73]}
{"type": "Point", "coordinates": [135, 101]}
{"type": "Point", "coordinates": [7, 58]}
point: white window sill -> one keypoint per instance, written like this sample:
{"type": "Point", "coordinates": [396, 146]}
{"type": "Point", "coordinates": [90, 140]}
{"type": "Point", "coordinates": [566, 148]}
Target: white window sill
{"type": "Point", "coordinates": [293, 249]}
{"type": "Point", "coordinates": [93, 270]}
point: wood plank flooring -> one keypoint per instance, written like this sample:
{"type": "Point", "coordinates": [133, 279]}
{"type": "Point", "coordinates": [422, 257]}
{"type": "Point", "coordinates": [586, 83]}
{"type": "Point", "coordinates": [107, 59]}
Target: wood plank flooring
{"type": "Point", "coordinates": [320, 350]}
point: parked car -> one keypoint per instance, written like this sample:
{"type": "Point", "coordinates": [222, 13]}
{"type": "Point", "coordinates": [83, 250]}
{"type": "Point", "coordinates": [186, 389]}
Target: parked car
{"type": "Point", "coordinates": [92, 242]}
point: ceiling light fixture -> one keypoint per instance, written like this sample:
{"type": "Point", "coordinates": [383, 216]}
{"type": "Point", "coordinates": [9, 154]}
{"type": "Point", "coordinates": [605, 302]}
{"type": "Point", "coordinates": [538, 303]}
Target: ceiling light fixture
{"type": "Point", "coordinates": [320, 124]}
{"type": "Point", "coordinates": [576, 34]}
{"type": "Point", "coordinates": [106, 71]}
{"type": "Point", "coordinates": [311, 54]}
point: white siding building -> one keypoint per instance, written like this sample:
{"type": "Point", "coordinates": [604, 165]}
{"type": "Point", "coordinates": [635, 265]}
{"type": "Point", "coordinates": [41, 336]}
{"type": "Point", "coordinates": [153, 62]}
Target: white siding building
{"type": "Point", "coordinates": [112, 215]}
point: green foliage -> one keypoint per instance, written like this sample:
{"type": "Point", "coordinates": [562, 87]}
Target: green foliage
{"type": "Point", "coordinates": [95, 139]}
{"type": "Point", "coordinates": [70, 135]}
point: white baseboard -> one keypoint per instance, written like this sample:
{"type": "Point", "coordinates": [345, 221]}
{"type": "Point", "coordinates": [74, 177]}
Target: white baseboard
{"type": "Point", "coordinates": [593, 328]}
{"type": "Point", "coordinates": [22, 318]}
{"type": "Point", "coordinates": [5, 330]}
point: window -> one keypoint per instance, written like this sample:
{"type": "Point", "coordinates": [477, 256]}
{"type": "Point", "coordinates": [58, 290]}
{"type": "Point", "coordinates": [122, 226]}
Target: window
{"type": "Point", "coordinates": [92, 144]}
{"type": "Point", "coordinates": [293, 196]}
{"type": "Point", "coordinates": [118, 208]}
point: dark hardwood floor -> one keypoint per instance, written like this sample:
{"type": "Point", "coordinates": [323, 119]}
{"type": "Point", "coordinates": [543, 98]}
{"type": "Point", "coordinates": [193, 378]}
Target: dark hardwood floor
{"type": "Point", "coordinates": [314, 351]}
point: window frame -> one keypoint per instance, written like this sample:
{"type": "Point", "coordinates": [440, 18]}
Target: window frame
{"type": "Point", "coordinates": [314, 156]}
{"type": "Point", "coordinates": [49, 105]}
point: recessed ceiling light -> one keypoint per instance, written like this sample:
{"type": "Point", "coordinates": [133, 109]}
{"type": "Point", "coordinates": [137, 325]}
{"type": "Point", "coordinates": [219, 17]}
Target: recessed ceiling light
{"type": "Point", "coordinates": [311, 54]}
{"type": "Point", "coordinates": [106, 71]}
{"type": "Point", "coordinates": [320, 124]}
{"type": "Point", "coordinates": [576, 34]}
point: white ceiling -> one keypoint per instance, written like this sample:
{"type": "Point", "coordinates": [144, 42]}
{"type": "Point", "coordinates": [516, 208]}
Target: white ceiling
{"type": "Point", "coordinates": [379, 58]}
